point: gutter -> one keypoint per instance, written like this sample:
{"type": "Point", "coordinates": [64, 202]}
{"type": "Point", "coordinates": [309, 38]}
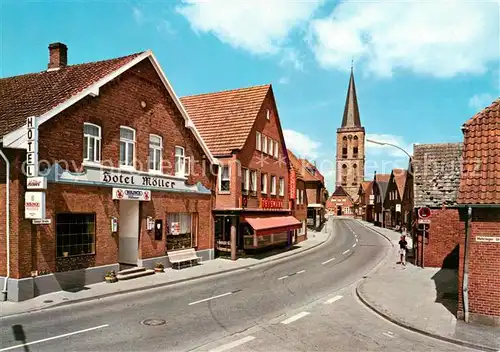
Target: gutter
{"type": "Point", "coordinates": [7, 222]}
{"type": "Point", "coordinates": [465, 283]}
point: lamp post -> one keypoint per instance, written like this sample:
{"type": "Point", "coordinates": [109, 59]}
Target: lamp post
{"type": "Point", "coordinates": [389, 144]}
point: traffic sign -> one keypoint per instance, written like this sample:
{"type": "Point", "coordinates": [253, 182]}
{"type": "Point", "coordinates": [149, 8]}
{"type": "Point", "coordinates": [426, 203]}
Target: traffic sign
{"type": "Point", "coordinates": [424, 213]}
{"type": "Point", "coordinates": [424, 221]}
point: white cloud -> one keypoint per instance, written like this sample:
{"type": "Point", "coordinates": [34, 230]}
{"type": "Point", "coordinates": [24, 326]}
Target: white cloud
{"type": "Point", "coordinates": [284, 80]}
{"type": "Point", "coordinates": [301, 144]}
{"type": "Point", "coordinates": [480, 101]}
{"type": "Point", "coordinates": [292, 57]}
{"type": "Point", "coordinates": [437, 38]}
{"type": "Point", "coordinates": [387, 150]}
{"type": "Point", "coordinates": [138, 15]}
{"type": "Point", "coordinates": [258, 26]}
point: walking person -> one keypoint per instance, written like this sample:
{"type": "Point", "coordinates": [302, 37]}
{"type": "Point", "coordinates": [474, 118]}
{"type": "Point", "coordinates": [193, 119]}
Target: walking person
{"type": "Point", "coordinates": [402, 249]}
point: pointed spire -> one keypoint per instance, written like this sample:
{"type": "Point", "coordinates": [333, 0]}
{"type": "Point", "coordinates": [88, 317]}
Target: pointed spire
{"type": "Point", "coordinates": [351, 110]}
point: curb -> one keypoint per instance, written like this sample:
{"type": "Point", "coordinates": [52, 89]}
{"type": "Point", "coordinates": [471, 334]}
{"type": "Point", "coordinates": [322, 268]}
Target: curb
{"type": "Point", "coordinates": [374, 230]}
{"type": "Point", "coordinates": [170, 283]}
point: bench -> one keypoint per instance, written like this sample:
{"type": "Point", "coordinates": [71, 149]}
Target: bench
{"type": "Point", "coordinates": [183, 256]}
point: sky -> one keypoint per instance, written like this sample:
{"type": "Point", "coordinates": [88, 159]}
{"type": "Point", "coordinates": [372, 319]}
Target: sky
{"type": "Point", "coordinates": [421, 68]}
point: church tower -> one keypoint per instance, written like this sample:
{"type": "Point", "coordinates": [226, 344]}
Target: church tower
{"type": "Point", "coordinates": [350, 171]}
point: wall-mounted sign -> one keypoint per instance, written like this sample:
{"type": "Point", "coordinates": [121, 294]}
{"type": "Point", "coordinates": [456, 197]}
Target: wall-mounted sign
{"type": "Point", "coordinates": [34, 205]}
{"type": "Point", "coordinates": [292, 189]}
{"type": "Point", "coordinates": [488, 239]}
{"type": "Point", "coordinates": [398, 208]}
{"type": "Point", "coordinates": [36, 183]}
{"type": "Point", "coordinates": [41, 221]}
{"type": "Point", "coordinates": [269, 203]}
{"type": "Point", "coordinates": [131, 194]}
{"type": "Point", "coordinates": [32, 149]}
{"type": "Point", "coordinates": [424, 221]}
{"type": "Point", "coordinates": [371, 200]}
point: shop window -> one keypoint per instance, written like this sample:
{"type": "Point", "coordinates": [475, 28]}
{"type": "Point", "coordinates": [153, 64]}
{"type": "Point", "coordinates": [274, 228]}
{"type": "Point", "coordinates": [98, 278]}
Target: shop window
{"type": "Point", "coordinates": [282, 187]}
{"type": "Point", "coordinates": [91, 142]}
{"type": "Point", "coordinates": [263, 183]}
{"type": "Point", "coordinates": [224, 179]}
{"type": "Point", "coordinates": [253, 182]}
{"type": "Point", "coordinates": [155, 152]}
{"type": "Point", "coordinates": [181, 162]}
{"type": "Point", "coordinates": [181, 231]}
{"type": "Point", "coordinates": [75, 234]}
{"type": "Point", "coordinates": [258, 141]}
{"type": "Point", "coordinates": [276, 150]}
{"type": "Point", "coordinates": [264, 144]}
{"type": "Point", "coordinates": [273, 185]}
{"type": "Point", "coordinates": [245, 180]}
{"type": "Point", "coordinates": [127, 146]}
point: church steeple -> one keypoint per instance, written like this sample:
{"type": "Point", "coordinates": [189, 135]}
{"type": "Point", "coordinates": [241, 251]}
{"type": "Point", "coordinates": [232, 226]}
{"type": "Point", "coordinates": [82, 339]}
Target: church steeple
{"type": "Point", "coordinates": [351, 110]}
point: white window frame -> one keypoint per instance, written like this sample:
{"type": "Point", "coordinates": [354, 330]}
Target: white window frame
{"type": "Point", "coordinates": [128, 142]}
{"type": "Point", "coordinates": [95, 140]}
{"type": "Point", "coordinates": [253, 176]}
{"type": "Point", "coordinates": [183, 161]}
{"type": "Point", "coordinates": [258, 141]}
{"type": "Point", "coordinates": [276, 150]}
{"type": "Point", "coordinates": [264, 144]}
{"type": "Point", "coordinates": [301, 196]}
{"type": "Point", "coordinates": [297, 196]}
{"type": "Point", "coordinates": [245, 180]}
{"type": "Point", "coordinates": [273, 185]}
{"type": "Point", "coordinates": [268, 115]}
{"type": "Point", "coordinates": [281, 187]}
{"type": "Point", "coordinates": [263, 185]}
{"type": "Point", "coordinates": [270, 147]}
{"type": "Point", "coordinates": [229, 179]}
{"type": "Point", "coordinates": [156, 149]}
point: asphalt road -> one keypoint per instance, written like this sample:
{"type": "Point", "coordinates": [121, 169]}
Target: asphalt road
{"type": "Point", "coordinates": [303, 303]}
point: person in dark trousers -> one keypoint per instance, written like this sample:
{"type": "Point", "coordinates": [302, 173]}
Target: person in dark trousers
{"type": "Point", "coordinates": [402, 249]}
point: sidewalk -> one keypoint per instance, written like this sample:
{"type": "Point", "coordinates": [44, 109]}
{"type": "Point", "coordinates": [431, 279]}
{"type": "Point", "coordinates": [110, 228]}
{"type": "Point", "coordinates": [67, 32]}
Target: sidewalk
{"type": "Point", "coordinates": [422, 300]}
{"type": "Point", "coordinates": [171, 276]}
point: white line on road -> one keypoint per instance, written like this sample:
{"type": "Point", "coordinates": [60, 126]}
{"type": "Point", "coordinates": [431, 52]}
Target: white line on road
{"type": "Point", "coordinates": [300, 272]}
{"type": "Point", "coordinates": [357, 239]}
{"type": "Point", "coordinates": [388, 334]}
{"type": "Point", "coordinates": [345, 252]}
{"type": "Point", "coordinates": [328, 261]}
{"type": "Point", "coordinates": [233, 344]}
{"type": "Point", "coordinates": [209, 298]}
{"type": "Point", "coordinates": [283, 277]}
{"type": "Point", "coordinates": [53, 338]}
{"type": "Point", "coordinates": [354, 245]}
{"type": "Point", "coordinates": [295, 317]}
{"type": "Point", "coordinates": [334, 299]}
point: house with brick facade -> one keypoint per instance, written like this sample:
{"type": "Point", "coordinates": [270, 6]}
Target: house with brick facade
{"type": "Point", "coordinates": [105, 169]}
{"type": "Point", "coordinates": [365, 201]}
{"type": "Point", "coordinates": [242, 130]}
{"type": "Point", "coordinates": [436, 178]}
{"type": "Point", "coordinates": [380, 183]}
{"type": "Point", "coordinates": [340, 203]}
{"type": "Point", "coordinates": [479, 195]}
{"type": "Point", "coordinates": [316, 194]}
{"type": "Point", "coordinates": [298, 195]}
{"type": "Point", "coordinates": [393, 200]}
{"type": "Point", "coordinates": [407, 208]}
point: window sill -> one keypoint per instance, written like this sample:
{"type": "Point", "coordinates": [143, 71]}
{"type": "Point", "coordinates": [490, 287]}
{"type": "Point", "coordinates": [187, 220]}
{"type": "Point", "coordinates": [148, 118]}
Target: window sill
{"type": "Point", "coordinates": [224, 192]}
{"type": "Point", "coordinates": [155, 172]}
{"type": "Point", "coordinates": [128, 168]}
{"type": "Point", "coordinates": [91, 163]}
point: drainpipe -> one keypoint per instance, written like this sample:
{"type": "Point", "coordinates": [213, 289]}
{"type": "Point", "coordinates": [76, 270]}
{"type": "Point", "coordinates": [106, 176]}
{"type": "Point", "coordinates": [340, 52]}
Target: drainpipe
{"type": "Point", "coordinates": [7, 222]}
{"type": "Point", "coordinates": [465, 283]}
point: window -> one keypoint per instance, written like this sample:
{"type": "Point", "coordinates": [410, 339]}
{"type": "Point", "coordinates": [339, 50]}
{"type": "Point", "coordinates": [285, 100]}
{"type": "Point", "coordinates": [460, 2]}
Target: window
{"type": "Point", "coordinates": [270, 147]}
{"type": "Point", "coordinates": [355, 174]}
{"type": "Point", "coordinates": [344, 175]}
{"type": "Point", "coordinates": [253, 182]}
{"type": "Point", "coordinates": [282, 187]}
{"type": "Point", "coordinates": [264, 144]}
{"type": "Point", "coordinates": [91, 142]}
{"type": "Point", "coordinates": [75, 234]}
{"type": "Point", "coordinates": [181, 228]}
{"type": "Point", "coordinates": [182, 167]}
{"type": "Point", "coordinates": [127, 146]}
{"type": "Point", "coordinates": [263, 183]}
{"type": "Point", "coordinates": [273, 185]}
{"type": "Point", "coordinates": [344, 147]}
{"type": "Point", "coordinates": [268, 114]}
{"type": "Point", "coordinates": [258, 145]}
{"type": "Point", "coordinates": [245, 180]}
{"type": "Point", "coordinates": [224, 183]}
{"type": "Point", "coordinates": [301, 196]}
{"type": "Point", "coordinates": [355, 147]}
{"type": "Point", "coordinates": [155, 149]}
{"type": "Point", "coordinates": [297, 196]}
{"type": "Point", "coordinates": [276, 152]}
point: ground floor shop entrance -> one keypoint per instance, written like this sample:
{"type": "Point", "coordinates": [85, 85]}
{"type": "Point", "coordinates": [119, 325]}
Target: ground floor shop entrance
{"type": "Point", "coordinates": [128, 228]}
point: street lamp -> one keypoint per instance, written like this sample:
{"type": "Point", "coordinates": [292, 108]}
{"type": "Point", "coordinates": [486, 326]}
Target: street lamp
{"type": "Point", "coordinates": [389, 144]}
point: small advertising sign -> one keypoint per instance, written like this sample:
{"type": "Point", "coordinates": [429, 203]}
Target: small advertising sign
{"type": "Point", "coordinates": [175, 228]}
{"type": "Point", "coordinates": [488, 239]}
{"type": "Point", "coordinates": [398, 208]}
{"type": "Point", "coordinates": [293, 185]}
{"type": "Point", "coordinates": [34, 205]}
{"type": "Point", "coordinates": [32, 149]}
{"type": "Point", "coordinates": [36, 183]}
{"type": "Point", "coordinates": [41, 221]}
{"type": "Point", "coordinates": [131, 194]}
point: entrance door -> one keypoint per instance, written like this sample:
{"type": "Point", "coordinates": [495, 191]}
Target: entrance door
{"type": "Point", "coordinates": [128, 228]}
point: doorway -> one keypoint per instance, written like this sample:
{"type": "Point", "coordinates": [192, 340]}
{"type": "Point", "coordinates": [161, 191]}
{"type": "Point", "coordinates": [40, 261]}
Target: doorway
{"type": "Point", "coordinates": [128, 228]}
{"type": "Point", "coordinates": [339, 210]}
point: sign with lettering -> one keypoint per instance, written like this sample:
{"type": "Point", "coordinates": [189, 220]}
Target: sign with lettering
{"type": "Point", "coordinates": [175, 228]}
{"type": "Point", "coordinates": [36, 183]}
{"type": "Point", "coordinates": [398, 208]}
{"type": "Point", "coordinates": [41, 221]}
{"type": "Point", "coordinates": [293, 185]}
{"type": "Point", "coordinates": [270, 203]}
{"type": "Point", "coordinates": [424, 221]}
{"type": "Point", "coordinates": [34, 205]}
{"type": "Point", "coordinates": [488, 239]}
{"type": "Point", "coordinates": [32, 149]}
{"type": "Point", "coordinates": [131, 194]}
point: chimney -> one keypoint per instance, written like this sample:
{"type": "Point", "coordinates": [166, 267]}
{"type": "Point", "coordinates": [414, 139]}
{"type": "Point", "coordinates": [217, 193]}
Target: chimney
{"type": "Point", "coordinates": [58, 56]}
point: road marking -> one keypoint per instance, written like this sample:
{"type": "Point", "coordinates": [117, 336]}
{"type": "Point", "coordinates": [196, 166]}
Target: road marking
{"type": "Point", "coordinates": [295, 318]}
{"type": "Point", "coordinates": [209, 298]}
{"type": "Point", "coordinates": [357, 239]}
{"type": "Point", "coordinates": [233, 344]}
{"type": "Point", "coordinates": [345, 252]}
{"type": "Point", "coordinates": [53, 338]}
{"type": "Point", "coordinates": [300, 272]}
{"type": "Point", "coordinates": [328, 261]}
{"type": "Point", "coordinates": [354, 245]}
{"type": "Point", "coordinates": [283, 277]}
{"type": "Point", "coordinates": [388, 334]}
{"type": "Point", "coordinates": [334, 299]}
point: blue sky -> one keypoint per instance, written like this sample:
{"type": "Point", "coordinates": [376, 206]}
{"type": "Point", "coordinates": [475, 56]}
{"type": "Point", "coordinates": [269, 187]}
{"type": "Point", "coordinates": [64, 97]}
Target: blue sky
{"type": "Point", "coordinates": [421, 69]}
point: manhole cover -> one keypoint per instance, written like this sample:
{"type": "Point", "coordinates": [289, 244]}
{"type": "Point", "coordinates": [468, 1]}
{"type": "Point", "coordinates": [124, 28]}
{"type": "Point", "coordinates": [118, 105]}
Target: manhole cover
{"type": "Point", "coordinates": [153, 322]}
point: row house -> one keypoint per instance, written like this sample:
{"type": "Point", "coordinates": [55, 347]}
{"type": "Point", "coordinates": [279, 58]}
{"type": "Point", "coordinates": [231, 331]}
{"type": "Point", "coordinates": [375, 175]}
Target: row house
{"type": "Point", "coordinates": [365, 201]}
{"type": "Point", "coordinates": [316, 194]}
{"type": "Point", "coordinates": [104, 169]}
{"type": "Point", "coordinates": [380, 184]}
{"type": "Point", "coordinates": [340, 203]}
{"type": "Point", "coordinates": [393, 199]}
{"type": "Point", "coordinates": [242, 130]}
{"type": "Point", "coordinates": [298, 196]}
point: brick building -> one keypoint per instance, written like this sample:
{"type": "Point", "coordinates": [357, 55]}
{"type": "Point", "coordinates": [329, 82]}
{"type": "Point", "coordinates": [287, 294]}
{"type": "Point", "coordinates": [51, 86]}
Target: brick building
{"type": "Point", "coordinates": [316, 194]}
{"type": "Point", "coordinates": [393, 200]}
{"type": "Point", "coordinates": [128, 176]}
{"type": "Point", "coordinates": [242, 130]}
{"type": "Point", "coordinates": [298, 195]}
{"type": "Point", "coordinates": [479, 194]}
{"type": "Point", "coordinates": [366, 201]}
{"type": "Point", "coordinates": [407, 208]}
{"type": "Point", "coordinates": [436, 175]}
{"type": "Point", "coordinates": [380, 183]}
{"type": "Point", "coordinates": [340, 203]}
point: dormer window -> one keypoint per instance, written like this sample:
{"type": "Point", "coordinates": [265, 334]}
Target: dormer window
{"type": "Point", "coordinates": [91, 142]}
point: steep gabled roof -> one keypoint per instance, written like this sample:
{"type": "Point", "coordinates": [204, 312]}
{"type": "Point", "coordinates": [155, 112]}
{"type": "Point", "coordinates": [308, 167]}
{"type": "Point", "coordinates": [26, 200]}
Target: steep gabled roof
{"type": "Point", "coordinates": [480, 179]}
{"type": "Point", "coordinates": [400, 180]}
{"type": "Point", "coordinates": [436, 174]}
{"type": "Point", "coordinates": [213, 113]}
{"type": "Point", "coordinates": [296, 165]}
{"type": "Point", "coordinates": [340, 192]}
{"type": "Point", "coordinates": [351, 109]}
{"type": "Point", "coordinates": [311, 173]}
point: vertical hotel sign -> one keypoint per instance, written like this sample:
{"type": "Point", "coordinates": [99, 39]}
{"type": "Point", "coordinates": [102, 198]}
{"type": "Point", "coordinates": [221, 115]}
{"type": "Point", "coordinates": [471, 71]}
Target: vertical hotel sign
{"type": "Point", "coordinates": [34, 202]}
{"type": "Point", "coordinates": [292, 184]}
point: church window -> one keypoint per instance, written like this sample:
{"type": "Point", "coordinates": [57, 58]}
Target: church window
{"type": "Point", "coordinates": [355, 174]}
{"type": "Point", "coordinates": [344, 175]}
{"type": "Point", "coordinates": [355, 147]}
{"type": "Point", "coordinates": [344, 147]}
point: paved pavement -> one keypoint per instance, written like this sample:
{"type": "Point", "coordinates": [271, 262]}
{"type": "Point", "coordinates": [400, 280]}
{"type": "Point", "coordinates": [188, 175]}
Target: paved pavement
{"type": "Point", "coordinates": [422, 299]}
{"type": "Point", "coordinates": [301, 303]}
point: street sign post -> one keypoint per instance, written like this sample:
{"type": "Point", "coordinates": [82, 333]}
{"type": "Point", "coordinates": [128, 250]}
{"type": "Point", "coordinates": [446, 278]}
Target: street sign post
{"type": "Point", "coordinates": [424, 221]}
{"type": "Point", "coordinates": [424, 215]}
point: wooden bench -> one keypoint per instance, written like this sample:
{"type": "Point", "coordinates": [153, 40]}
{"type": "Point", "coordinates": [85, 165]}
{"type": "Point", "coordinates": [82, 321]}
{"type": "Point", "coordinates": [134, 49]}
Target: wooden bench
{"type": "Point", "coordinates": [183, 256]}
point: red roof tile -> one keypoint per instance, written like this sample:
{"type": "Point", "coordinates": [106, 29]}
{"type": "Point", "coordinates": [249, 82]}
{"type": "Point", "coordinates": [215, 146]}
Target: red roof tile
{"type": "Point", "coordinates": [231, 111]}
{"type": "Point", "coordinates": [311, 173]}
{"type": "Point", "coordinates": [480, 178]}
{"type": "Point", "coordinates": [296, 165]}
{"type": "Point", "coordinates": [37, 93]}
{"type": "Point", "coordinates": [400, 179]}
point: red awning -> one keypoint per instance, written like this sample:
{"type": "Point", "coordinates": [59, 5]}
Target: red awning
{"type": "Point", "coordinates": [263, 225]}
